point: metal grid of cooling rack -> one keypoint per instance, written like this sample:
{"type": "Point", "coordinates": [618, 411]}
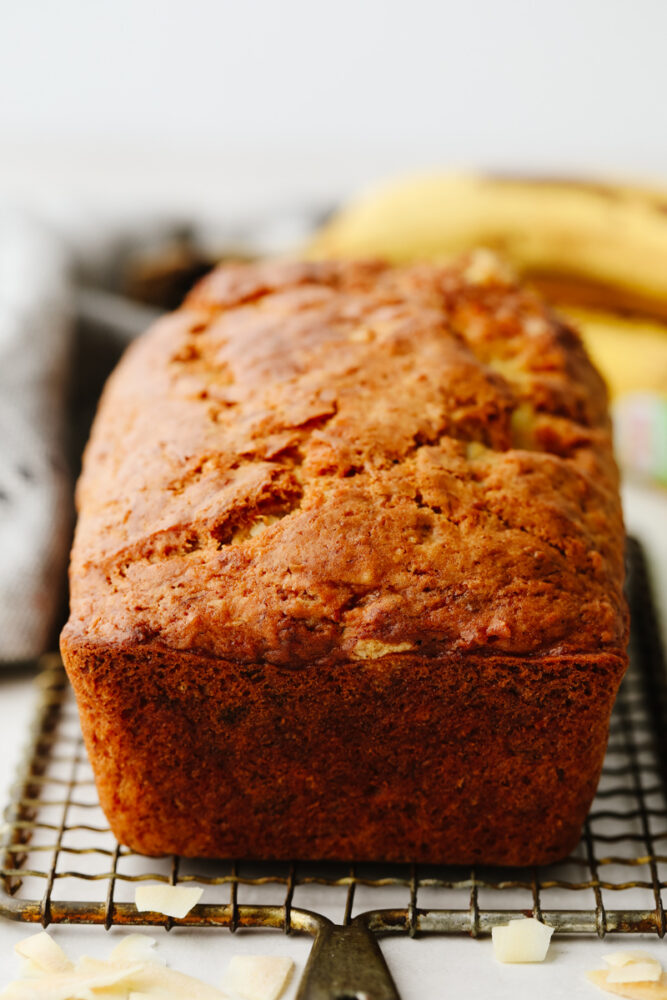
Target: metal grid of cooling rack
{"type": "Point", "coordinates": [61, 864]}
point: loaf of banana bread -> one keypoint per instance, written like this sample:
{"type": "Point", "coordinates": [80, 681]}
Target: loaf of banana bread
{"type": "Point", "coordinates": [347, 576]}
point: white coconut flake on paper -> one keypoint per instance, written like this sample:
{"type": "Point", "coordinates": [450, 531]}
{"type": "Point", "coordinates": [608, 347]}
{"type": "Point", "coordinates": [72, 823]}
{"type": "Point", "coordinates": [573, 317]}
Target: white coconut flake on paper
{"type": "Point", "coordinates": [136, 948]}
{"type": "Point", "coordinates": [259, 977]}
{"type": "Point", "coordinates": [30, 969]}
{"type": "Point", "coordinates": [636, 972]}
{"type": "Point", "coordinates": [523, 940]}
{"type": "Point", "coordinates": [617, 959]}
{"type": "Point", "coordinates": [65, 985]}
{"type": "Point", "coordinates": [43, 952]}
{"type": "Point", "coordinates": [171, 900]}
{"type": "Point", "coordinates": [633, 991]}
{"type": "Point", "coordinates": [158, 981]}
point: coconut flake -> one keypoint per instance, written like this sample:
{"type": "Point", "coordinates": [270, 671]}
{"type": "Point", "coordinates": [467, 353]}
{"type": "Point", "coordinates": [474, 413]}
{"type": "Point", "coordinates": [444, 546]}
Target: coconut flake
{"type": "Point", "coordinates": [30, 969]}
{"type": "Point", "coordinates": [617, 959]}
{"type": "Point", "coordinates": [113, 979]}
{"type": "Point", "coordinates": [135, 948]}
{"type": "Point", "coordinates": [42, 951]}
{"type": "Point", "coordinates": [172, 900]}
{"type": "Point", "coordinates": [65, 985]}
{"type": "Point", "coordinates": [156, 980]}
{"type": "Point", "coordinates": [636, 972]}
{"type": "Point", "coordinates": [523, 940]}
{"type": "Point", "coordinates": [259, 977]}
{"type": "Point", "coordinates": [634, 991]}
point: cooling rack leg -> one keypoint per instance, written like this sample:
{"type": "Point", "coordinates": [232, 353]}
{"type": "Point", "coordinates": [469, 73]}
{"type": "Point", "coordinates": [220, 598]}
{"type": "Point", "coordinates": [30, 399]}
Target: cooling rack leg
{"type": "Point", "coordinates": [346, 963]}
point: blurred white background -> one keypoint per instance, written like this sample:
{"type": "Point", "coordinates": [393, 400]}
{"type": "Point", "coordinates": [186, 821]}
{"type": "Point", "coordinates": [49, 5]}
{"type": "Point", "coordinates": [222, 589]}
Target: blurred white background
{"type": "Point", "coordinates": [222, 104]}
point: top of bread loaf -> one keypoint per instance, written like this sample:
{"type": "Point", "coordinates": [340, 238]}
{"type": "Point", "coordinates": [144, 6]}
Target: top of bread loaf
{"type": "Point", "coordinates": [339, 461]}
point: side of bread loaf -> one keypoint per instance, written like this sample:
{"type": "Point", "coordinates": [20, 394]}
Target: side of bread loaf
{"type": "Point", "coordinates": [347, 578]}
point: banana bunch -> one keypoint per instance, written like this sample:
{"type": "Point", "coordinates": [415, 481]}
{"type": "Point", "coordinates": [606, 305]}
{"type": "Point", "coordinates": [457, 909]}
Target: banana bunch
{"type": "Point", "coordinates": [596, 251]}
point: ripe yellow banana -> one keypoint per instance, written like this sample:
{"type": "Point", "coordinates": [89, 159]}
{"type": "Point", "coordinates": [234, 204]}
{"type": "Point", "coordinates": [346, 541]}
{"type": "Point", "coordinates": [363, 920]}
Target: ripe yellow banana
{"type": "Point", "coordinates": [597, 251]}
{"type": "Point", "coordinates": [570, 233]}
{"type": "Point", "coordinates": [630, 351]}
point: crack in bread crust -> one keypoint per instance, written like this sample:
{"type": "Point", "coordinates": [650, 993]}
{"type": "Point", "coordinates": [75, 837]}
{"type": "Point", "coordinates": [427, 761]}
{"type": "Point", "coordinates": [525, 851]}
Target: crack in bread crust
{"type": "Point", "coordinates": [298, 435]}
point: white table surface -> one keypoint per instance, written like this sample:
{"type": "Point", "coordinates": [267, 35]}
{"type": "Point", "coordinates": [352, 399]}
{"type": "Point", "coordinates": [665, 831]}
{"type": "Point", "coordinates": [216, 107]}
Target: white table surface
{"type": "Point", "coordinates": [424, 969]}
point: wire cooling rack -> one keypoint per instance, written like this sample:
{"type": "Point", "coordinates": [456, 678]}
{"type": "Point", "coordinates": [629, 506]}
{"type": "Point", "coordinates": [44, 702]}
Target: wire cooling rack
{"type": "Point", "coordinates": [61, 864]}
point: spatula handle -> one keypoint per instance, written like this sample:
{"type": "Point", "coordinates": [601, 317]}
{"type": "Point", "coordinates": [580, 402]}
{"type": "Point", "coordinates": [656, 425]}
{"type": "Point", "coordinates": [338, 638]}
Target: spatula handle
{"type": "Point", "coordinates": [346, 963]}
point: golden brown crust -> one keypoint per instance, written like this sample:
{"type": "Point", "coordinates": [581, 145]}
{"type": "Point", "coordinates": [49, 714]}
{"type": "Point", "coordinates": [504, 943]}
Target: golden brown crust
{"type": "Point", "coordinates": [455, 760]}
{"type": "Point", "coordinates": [349, 468]}
{"type": "Point", "coordinates": [310, 456]}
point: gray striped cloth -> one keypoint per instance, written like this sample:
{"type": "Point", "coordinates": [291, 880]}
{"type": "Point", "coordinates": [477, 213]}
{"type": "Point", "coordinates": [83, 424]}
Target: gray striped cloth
{"type": "Point", "coordinates": [35, 492]}
{"type": "Point", "coordinates": [52, 370]}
